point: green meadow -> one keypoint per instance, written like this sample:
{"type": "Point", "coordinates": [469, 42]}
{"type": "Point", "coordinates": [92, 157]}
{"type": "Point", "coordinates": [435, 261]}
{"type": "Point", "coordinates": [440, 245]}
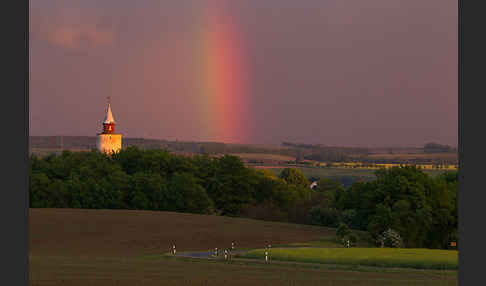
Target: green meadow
{"type": "Point", "coordinates": [380, 257]}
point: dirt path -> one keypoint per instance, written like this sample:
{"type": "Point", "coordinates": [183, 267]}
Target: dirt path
{"type": "Point", "coordinates": [207, 254]}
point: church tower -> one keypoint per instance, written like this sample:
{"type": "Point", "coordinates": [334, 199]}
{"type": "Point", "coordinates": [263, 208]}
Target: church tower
{"type": "Point", "coordinates": [108, 142]}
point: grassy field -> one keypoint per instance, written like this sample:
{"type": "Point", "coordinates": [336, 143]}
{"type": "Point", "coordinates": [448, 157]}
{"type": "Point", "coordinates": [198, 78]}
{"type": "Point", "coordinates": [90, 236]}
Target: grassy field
{"type": "Point", "coordinates": [130, 271]}
{"type": "Point", "coordinates": [342, 172]}
{"type": "Point", "coordinates": [264, 156]}
{"type": "Point", "coordinates": [380, 257]}
{"type": "Point", "coordinates": [110, 247]}
{"type": "Point", "coordinates": [332, 242]}
{"type": "Point", "coordinates": [405, 156]}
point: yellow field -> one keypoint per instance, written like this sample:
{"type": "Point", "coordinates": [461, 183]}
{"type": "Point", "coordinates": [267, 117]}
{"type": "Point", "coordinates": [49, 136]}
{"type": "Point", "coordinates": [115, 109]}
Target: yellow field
{"type": "Point", "coordinates": [359, 165]}
{"type": "Point", "coordinates": [382, 257]}
{"type": "Point", "coordinates": [405, 156]}
{"type": "Point", "coordinates": [264, 156]}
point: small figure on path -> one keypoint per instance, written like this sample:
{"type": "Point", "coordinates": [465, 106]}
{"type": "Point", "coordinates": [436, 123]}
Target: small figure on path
{"type": "Point", "coordinates": [216, 251]}
{"type": "Point", "coordinates": [266, 256]}
{"type": "Point", "coordinates": [232, 246]}
{"type": "Point", "coordinates": [225, 254]}
{"type": "Point", "coordinates": [173, 249]}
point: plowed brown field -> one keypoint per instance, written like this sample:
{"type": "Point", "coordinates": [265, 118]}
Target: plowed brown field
{"type": "Point", "coordinates": [125, 233]}
{"type": "Point", "coordinates": [107, 247]}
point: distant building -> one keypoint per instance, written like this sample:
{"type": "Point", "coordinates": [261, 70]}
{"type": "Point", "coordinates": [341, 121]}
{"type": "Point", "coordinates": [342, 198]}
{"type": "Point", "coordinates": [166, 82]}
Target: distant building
{"type": "Point", "coordinates": [108, 142]}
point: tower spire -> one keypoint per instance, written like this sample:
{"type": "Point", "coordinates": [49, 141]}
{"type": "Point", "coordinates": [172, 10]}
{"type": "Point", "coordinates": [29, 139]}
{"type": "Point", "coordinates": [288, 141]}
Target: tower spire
{"type": "Point", "coordinates": [108, 141]}
{"type": "Point", "coordinates": [109, 115]}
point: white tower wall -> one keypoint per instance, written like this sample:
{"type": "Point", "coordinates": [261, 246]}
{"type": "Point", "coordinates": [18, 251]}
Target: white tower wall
{"type": "Point", "coordinates": [109, 143]}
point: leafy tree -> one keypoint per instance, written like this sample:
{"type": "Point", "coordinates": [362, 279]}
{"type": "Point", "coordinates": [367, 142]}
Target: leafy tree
{"type": "Point", "coordinates": [130, 160]}
{"type": "Point", "coordinates": [194, 198]}
{"type": "Point", "coordinates": [324, 216]}
{"type": "Point", "coordinates": [154, 189]}
{"type": "Point", "coordinates": [349, 217]}
{"type": "Point", "coordinates": [139, 201]}
{"type": "Point", "coordinates": [231, 185]}
{"type": "Point", "coordinates": [39, 196]}
{"type": "Point", "coordinates": [294, 177]}
{"type": "Point", "coordinates": [408, 200]}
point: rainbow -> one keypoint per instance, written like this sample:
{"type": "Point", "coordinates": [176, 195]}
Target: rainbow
{"type": "Point", "coordinates": [223, 78]}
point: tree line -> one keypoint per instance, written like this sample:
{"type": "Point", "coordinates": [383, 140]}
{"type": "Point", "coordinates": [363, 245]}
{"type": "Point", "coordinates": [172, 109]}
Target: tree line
{"type": "Point", "coordinates": [433, 147]}
{"type": "Point", "coordinates": [422, 209]}
{"type": "Point", "coordinates": [153, 180]}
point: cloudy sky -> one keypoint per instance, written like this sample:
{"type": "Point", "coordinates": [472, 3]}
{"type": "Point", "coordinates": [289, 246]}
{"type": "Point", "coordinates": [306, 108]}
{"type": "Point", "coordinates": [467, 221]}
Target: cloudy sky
{"type": "Point", "coordinates": [336, 72]}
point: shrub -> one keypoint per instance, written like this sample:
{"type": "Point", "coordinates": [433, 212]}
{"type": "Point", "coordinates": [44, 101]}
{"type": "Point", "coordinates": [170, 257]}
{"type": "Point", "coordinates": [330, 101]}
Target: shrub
{"type": "Point", "coordinates": [349, 217]}
{"type": "Point", "coordinates": [353, 238]}
{"type": "Point", "coordinates": [342, 230]}
{"type": "Point", "coordinates": [392, 238]}
{"type": "Point", "coordinates": [324, 216]}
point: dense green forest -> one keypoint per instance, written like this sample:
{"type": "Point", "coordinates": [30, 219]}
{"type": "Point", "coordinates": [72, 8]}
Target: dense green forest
{"type": "Point", "coordinates": [421, 208]}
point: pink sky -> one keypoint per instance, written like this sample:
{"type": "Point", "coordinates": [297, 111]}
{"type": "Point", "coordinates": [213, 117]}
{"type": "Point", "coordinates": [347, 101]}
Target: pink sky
{"type": "Point", "coordinates": [337, 72]}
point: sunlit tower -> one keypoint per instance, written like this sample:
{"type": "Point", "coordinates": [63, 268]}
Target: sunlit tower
{"type": "Point", "coordinates": [108, 142]}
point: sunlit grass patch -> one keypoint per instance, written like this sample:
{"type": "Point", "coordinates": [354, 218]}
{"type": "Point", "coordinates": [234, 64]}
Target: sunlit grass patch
{"type": "Point", "coordinates": [380, 257]}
